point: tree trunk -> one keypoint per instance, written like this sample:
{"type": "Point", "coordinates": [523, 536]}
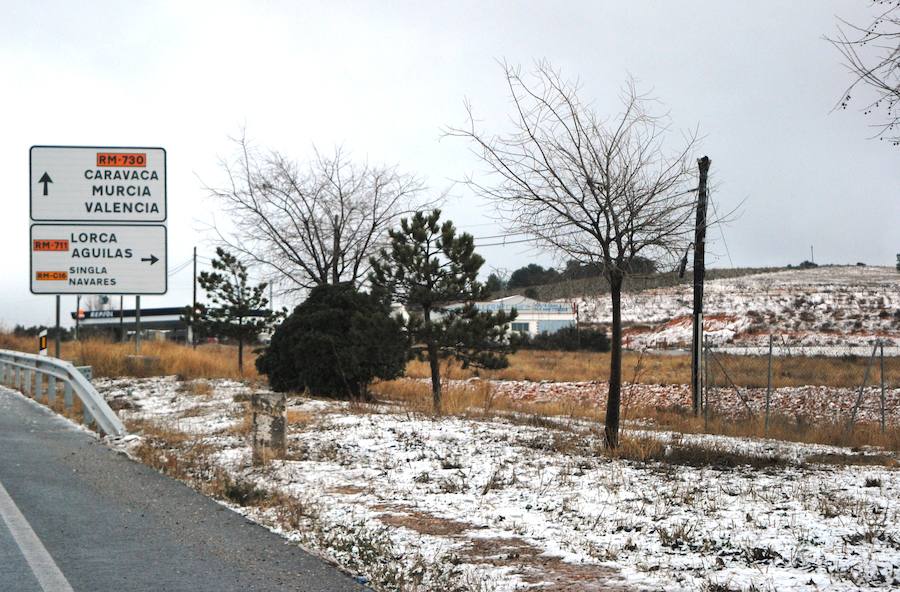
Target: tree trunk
{"type": "Point", "coordinates": [241, 351]}
{"type": "Point", "coordinates": [433, 363]}
{"type": "Point", "coordinates": [336, 254]}
{"type": "Point", "coordinates": [614, 399]}
{"type": "Point", "coordinates": [435, 378]}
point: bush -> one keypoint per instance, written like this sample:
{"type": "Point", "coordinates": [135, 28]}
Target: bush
{"type": "Point", "coordinates": [335, 343]}
{"type": "Point", "coordinates": [566, 339]}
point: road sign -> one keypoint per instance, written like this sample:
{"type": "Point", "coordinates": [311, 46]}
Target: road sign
{"type": "Point", "coordinates": [98, 259]}
{"type": "Point", "coordinates": [97, 184]}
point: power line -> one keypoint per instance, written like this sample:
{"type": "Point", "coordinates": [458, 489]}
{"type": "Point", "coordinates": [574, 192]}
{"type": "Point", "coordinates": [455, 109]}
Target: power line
{"type": "Point", "coordinates": [721, 232]}
{"type": "Point", "coordinates": [180, 267]}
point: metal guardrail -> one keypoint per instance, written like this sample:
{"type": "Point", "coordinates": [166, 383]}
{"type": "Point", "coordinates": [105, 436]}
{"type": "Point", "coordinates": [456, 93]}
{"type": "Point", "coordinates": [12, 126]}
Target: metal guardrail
{"type": "Point", "coordinates": [28, 373]}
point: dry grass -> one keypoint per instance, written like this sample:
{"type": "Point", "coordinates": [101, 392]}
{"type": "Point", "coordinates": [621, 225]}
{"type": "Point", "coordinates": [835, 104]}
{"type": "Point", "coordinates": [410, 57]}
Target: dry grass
{"type": "Point", "coordinates": [477, 400]}
{"type": "Point", "coordinates": [644, 449]}
{"type": "Point", "coordinates": [299, 419]}
{"type": "Point", "coordinates": [780, 428]}
{"type": "Point", "coordinates": [110, 359]}
{"type": "Point", "coordinates": [648, 368]}
{"type": "Point", "coordinates": [198, 388]}
{"type": "Point", "coordinates": [220, 361]}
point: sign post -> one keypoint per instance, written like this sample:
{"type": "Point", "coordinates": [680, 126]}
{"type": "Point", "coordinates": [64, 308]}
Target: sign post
{"type": "Point", "coordinates": [98, 221]}
{"type": "Point", "coordinates": [56, 335]}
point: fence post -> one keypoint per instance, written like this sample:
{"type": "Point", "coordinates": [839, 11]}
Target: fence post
{"type": "Point", "coordinates": [882, 388]}
{"type": "Point", "coordinates": [769, 386]}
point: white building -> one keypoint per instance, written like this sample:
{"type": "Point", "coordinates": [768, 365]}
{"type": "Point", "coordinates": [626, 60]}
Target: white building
{"type": "Point", "coordinates": [532, 316]}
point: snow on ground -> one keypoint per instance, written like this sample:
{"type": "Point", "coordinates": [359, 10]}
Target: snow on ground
{"type": "Point", "coordinates": [502, 505]}
{"type": "Point", "coordinates": [824, 306]}
{"type": "Point", "coordinates": [811, 404]}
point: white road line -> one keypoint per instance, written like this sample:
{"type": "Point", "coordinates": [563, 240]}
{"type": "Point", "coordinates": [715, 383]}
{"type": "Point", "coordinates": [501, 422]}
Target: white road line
{"type": "Point", "coordinates": [42, 565]}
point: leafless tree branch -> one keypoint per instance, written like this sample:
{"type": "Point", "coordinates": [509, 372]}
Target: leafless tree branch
{"type": "Point", "coordinates": [313, 223]}
{"type": "Point", "coordinates": [872, 56]}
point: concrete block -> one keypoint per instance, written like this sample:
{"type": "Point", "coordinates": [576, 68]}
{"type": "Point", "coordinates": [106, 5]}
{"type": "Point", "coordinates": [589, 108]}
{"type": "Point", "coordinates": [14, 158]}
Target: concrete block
{"type": "Point", "coordinates": [269, 426]}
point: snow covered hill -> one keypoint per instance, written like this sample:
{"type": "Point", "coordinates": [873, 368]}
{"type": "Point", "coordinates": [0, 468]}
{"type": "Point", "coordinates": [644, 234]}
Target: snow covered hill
{"type": "Point", "coordinates": [839, 306]}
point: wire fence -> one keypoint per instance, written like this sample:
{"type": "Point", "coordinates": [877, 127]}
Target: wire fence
{"type": "Point", "coordinates": [840, 384]}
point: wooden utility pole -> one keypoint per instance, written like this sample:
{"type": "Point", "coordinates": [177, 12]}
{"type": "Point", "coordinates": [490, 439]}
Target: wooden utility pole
{"type": "Point", "coordinates": [192, 337]}
{"type": "Point", "coordinates": [699, 275]}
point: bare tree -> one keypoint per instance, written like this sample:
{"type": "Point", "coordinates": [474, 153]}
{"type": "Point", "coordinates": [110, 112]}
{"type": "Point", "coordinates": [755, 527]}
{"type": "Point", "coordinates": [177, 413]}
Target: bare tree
{"type": "Point", "coordinates": [872, 55]}
{"type": "Point", "coordinates": [310, 224]}
{"type": "Point", "coordinates": [601, 191]}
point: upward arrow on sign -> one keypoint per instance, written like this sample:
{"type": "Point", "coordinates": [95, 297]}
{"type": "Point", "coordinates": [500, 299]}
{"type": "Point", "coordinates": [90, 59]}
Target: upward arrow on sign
{"type": "Point", "coordinates": [45, 178]}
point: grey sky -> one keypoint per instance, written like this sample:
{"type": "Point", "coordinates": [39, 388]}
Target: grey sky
{"type": "Point", "coordinates": [383, 78]}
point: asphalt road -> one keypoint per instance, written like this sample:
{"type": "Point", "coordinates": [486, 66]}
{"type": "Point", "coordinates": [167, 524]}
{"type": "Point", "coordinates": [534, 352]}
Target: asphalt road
{"type": "Point", "coordinates": [74, 513]}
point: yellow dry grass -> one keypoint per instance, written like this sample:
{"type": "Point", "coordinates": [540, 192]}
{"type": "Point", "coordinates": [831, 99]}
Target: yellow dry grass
{"type": "Point", "coordinates": [478, 400]}
{"type": "Point", "coordinates": [780, 428]}
{"type": "Point", "coordinates": [111, 359]}
{"type": "Point", "coordinates": [747, 371]}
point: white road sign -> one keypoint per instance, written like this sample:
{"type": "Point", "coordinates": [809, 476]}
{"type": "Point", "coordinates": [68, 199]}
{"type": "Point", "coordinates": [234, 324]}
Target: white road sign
{"type": "Point", "coordinates": [97, 184]}
{"type": "Point", "coordinates": [98, 259]}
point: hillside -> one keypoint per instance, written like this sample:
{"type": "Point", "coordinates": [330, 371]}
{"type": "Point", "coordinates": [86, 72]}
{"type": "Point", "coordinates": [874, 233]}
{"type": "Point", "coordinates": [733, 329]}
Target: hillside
{"type": "Point", "coordinates": [824, 306]}
{"type": "Point", "coordinates": [568, 289]}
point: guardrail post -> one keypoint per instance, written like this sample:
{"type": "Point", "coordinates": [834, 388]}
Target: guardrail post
{"type": "Point", "coordinates": [51, 390]}
{"type": "Point", "coordinates": [87, 420]}
{"type": "Point", "coordinates": [28, 383]}
{"type": "Point", "coordinates": [67, 397]}
{"type": "Point", "coordinates": [38, 385]}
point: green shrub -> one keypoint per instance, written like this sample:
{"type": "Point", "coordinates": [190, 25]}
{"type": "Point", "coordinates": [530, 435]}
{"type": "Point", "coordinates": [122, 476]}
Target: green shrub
{"type": "Point", "coordinates": [566, 339]}
{"type": "Point", "coordinates": [335, 343]}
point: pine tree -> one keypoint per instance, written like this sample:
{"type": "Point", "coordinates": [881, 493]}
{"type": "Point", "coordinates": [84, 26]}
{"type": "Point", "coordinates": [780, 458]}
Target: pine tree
{"type": "Point", "coordinates": [433, 272]}
{"type": "Point", "coordinates": [335, 343]}
{"type": "Point", "coordinates": [237, 309]}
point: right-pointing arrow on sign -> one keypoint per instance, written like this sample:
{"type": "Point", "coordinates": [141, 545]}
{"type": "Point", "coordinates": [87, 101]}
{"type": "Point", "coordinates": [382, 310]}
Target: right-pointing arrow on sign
{"type": "Point", "coordinates": [45, 178]}
{"type": "Point", "coordinates": [152, 259]}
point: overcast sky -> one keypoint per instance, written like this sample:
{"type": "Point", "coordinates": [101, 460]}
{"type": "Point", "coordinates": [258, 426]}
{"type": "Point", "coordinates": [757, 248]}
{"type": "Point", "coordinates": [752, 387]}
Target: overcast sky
{"type": "Point", "coordinates": [382, 78]}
